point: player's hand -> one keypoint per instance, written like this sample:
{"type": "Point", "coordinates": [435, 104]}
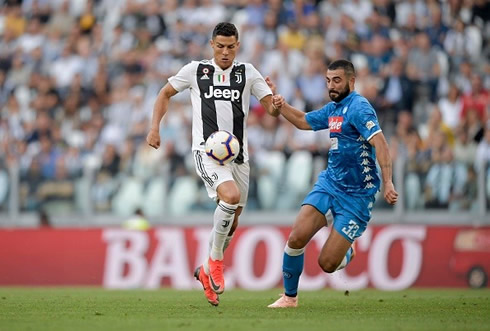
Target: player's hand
{"type": "Point", "coordinates": [271, 85]}
{"type": "Point", "coordinates": [153, 139]}
{"type": "Point", "coordinates": [391, 196]}
{"type": "Point", "coordinates": [278, 101]}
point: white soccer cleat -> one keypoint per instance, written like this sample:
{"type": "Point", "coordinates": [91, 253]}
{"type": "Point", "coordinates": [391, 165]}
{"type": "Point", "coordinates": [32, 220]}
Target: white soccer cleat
{"type": "Point", "coordinates": [285, 302]}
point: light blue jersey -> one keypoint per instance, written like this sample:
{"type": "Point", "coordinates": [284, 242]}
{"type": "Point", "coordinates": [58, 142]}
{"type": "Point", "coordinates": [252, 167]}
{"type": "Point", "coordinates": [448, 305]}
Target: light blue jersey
{"type": "Point", "coordinates": [351, 159]}
{"type": "Point", "coordinates": [348, 186]}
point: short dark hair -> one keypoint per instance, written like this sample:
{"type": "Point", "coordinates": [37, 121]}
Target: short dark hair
{"type": "Point", "coordinates": [343, 64]}
{"type": "Point", "coordinates": [225, 29]}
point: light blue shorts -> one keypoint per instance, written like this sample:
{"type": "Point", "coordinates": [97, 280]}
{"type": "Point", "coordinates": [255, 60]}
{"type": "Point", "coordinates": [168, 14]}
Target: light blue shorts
{"type": "Point", "coordinates": [351, 214]}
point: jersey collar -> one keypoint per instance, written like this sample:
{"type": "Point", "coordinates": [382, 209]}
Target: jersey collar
{"type": "Point", "coordinates": [346, 99]}
{"type": "Point", "coordinates": [218, 68]}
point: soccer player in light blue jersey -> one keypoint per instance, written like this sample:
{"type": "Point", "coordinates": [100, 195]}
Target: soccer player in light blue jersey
{"type": "Point", "coordinates": [347, 187]}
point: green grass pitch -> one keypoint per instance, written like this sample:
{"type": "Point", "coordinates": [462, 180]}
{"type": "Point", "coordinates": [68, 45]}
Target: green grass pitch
{"type": "Point", "coordinates": [97, 309]}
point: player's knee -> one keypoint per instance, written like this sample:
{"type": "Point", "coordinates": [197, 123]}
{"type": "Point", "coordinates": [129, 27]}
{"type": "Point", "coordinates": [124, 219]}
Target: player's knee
{"type": "Point", "coordinates": [295, 241]}
{"type": "Point", "coordinates": [231, 197]}
{"type": "Point", "coordinates": [328, 265]}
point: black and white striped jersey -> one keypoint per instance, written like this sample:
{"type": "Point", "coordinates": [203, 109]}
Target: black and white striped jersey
{"type": "Point", "coordinates": [220, 99]}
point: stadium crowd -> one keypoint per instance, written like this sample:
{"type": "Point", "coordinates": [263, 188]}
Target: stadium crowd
{"type": "Point", "coordinates": [78, 80]}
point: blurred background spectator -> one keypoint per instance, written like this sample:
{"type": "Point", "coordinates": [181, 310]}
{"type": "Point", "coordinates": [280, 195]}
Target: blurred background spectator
{"type": "Point", "coordinates": [78, 80]}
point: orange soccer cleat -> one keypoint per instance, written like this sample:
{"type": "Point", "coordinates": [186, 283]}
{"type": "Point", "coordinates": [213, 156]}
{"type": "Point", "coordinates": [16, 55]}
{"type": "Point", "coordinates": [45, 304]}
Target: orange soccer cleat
{"type": "Point", "coordinates": [216, 278]}
{"type": "Point", "coordinates": [285, 302]}
{"type": "Point", "coordinates": [201, 276]}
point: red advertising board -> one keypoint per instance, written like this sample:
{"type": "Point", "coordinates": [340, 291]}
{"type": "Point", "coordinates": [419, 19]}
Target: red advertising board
{"type": "Point", "coordinates": [390, 257]}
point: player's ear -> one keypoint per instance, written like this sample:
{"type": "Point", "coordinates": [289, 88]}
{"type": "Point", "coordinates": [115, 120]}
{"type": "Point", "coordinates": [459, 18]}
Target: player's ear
{"type": "Point", "coordinates": [211, 42]}
{"type": "Point", "coordinates": [352, 80]}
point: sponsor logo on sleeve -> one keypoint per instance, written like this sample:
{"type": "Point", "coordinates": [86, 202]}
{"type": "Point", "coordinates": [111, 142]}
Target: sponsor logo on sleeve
{"type": "Point", "coordinates": [370, 125]}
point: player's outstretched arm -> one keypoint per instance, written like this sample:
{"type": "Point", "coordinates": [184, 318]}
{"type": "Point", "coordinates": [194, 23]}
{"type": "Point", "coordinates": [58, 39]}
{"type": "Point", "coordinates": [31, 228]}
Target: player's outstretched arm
{"type": "Point", "coordinates": [384, 160]}
{"type": "Point", "coordinates": [293, 115]}
{"type": "Point", "coordinates": [266, 102]}
{"type": "Point", "coordinates": [159, 110]}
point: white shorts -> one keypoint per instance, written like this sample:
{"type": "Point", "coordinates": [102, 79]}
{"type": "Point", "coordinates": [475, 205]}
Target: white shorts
{"type": "Point", "coordinates": [214, 174]}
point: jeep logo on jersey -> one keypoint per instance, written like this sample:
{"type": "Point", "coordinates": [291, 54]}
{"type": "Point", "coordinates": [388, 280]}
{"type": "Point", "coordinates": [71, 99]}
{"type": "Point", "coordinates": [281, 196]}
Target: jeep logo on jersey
{"type": "Point", "coordinates": [222, 93]}
{"type": "Point", "coordinates": [335, 123]}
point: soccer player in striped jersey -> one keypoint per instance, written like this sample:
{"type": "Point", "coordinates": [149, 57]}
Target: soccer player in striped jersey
{"type": "Point", "coordinates": [220, 91]}
{"type": "Point", "coordinates": [347, 188]}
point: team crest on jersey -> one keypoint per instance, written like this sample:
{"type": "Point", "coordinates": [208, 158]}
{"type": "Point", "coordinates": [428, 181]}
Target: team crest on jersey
{"type": "Point", "coordinates": [238, 76]}
{"type": "Point", "coordinates": [335, 123]}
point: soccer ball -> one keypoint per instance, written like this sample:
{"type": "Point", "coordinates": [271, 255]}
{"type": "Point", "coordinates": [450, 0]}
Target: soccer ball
{"type": "Point", "coordinates": [222, 146]}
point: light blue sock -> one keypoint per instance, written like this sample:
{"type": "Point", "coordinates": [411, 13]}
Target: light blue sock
{"type": "Point", "coordinates": [348, 255]}
{"type": "Point", "coordinates": [292, 267]}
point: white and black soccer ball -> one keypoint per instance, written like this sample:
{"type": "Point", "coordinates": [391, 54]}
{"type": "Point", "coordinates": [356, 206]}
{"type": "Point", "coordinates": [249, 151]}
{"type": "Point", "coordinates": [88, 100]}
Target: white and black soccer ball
{"type": "Point", "coordinates": [222, 147]}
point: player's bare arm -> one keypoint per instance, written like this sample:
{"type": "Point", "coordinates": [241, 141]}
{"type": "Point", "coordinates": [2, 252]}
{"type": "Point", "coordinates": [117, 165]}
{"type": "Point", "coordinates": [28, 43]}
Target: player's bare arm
{"type": "Point", "coordinates": [159, 110]}
{"type": "Point", "coordinates": [266, 102]}
{"type": "Point", "coordinates": [293, 115]}
{"type": "Point", "coordinates": [384, 160]}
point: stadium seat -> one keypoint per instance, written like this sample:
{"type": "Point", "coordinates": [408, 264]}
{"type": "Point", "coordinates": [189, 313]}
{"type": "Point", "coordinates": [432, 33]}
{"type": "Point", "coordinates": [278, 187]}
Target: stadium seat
{"type": "Point", "coordinates": [488, 184]}
{"type": "Point", "coordinates": [129, 197]}
{"type": "Point", "coordinates": [267, 190]}
{"type": "Point", "coordinates": [297, 181]}
{"type": "Point", "coordinates": [182, 195]}
{"type": "Point", "coordinates": [413, 192]}
{"type": "Point", "coordinates": [298, 171]}
{"type": "Point", "coordinates": [4, 185]}
{"type": "Point", "coordinates": [271, 170]}
{"type": "Point", "coordinates": [82, 194]}
{"type": "Point", "coordinates": [155, 197]}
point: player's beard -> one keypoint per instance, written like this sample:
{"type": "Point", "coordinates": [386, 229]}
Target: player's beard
{"type": "Point", "coordinates": [340, 95]}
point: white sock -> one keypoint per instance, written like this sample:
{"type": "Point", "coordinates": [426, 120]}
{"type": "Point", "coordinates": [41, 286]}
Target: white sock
{"type": "Point", "coordinates": [346, 259]}
{"type": "Point", "coordinates": [223, 220]}
{"type": "Point", "coordinates": [293, 251]}
{"type": "Point", "coordinates": [211, 239]}
{"type": "Point", "coordinates": [342, 264]}
{"type": "Point", "coordinates": [205, 264]}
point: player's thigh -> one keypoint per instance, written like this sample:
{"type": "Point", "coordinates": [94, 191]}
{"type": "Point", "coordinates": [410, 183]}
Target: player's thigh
{"type": "Point", "coordinates": [308, 222]}
{"type": "Point", "coordinates": [211, 173]}
{"type": "Point", "coordinates": [333, 251]}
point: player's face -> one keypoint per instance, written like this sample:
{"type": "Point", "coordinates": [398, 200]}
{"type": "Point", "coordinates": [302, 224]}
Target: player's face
{"type": "Point", "coordinates": [225, 49]}
{"type": "Point", "coordinates": [338, 84]}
